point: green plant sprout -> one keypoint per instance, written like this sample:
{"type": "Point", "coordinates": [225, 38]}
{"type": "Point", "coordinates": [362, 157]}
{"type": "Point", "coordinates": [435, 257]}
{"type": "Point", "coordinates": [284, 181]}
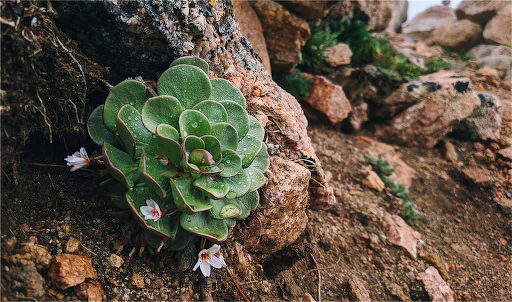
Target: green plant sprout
{"type": "Point", "coordinates": [365, 50]}
{"type": "Point", "coordinates": [296, 84]}
{"type": "Point", "coordinates": [185, 158]}
{"type": "Point", "coordinates": [383, 168]}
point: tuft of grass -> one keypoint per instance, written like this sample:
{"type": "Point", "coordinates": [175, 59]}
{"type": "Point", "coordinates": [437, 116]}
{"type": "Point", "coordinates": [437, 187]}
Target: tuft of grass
{"type": "Point", "coordinates": [382, 167]}
{"type": "Point", "coordinates": [296, 84]}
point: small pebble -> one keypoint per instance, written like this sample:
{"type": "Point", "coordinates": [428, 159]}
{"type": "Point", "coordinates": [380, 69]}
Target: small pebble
{"type": "Point", "coordinates": [115, 260]}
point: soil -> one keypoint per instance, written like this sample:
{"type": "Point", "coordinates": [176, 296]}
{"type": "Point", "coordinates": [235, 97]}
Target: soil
{"type": "Point", "coordinates": [460, 223]}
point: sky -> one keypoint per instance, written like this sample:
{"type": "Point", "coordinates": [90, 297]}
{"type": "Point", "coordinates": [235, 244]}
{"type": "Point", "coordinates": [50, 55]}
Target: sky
{"type": "Point", "coordinates": [417, 6]}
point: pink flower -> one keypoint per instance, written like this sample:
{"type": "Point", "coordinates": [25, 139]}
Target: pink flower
{"type": "Point", "coordinates": [152, 210]}
{"type": "Point", "coordinates": [210, 257]}
{"type": "Point", "coordinates": [78, 159]}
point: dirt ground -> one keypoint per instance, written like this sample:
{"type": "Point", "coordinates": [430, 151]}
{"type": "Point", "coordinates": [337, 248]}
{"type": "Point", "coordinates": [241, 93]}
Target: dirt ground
{"type": "Point", "coordinates": [460, 223]}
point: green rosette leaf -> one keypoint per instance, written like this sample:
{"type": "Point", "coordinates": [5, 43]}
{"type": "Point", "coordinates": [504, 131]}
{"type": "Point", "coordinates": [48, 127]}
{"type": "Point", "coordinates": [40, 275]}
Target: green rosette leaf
{"type": "Point", "coordinates": [224, 90]}
{"type": "Point", "coordinates": [96, 128]}
{"type": "Point", "coordinates": [189, 60]}
{"type": "Point", "coordinates": [120, 165]}
{"type": "Point", "coordinates": [213, 110]}
{"type": "Point", "coordinates": [226, 134]}
{"type": "Point", "coordinates": [189, 84]}
{"type": "Point", "coordinates": [127, 92]}
{"type": "Point", "coordinates": [162, 109]}
{"type": "Point", "coordinates": [193, 122]}
{"type": "Point", "coordinates": [204, 225]}
{"type": "Point", "coordinates": [237, 117]}
{"type": "Point", "coordinates": [187, 197]}
{"type": "Point", "coordinates": [248, 148]}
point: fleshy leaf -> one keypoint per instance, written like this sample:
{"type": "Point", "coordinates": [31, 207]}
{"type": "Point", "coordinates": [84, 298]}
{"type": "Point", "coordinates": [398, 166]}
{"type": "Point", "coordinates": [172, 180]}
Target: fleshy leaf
{"type": "Point", "coordinates": [237, 117]}
{"type": "Point", "coordinates": [189, 84]}
{"type": "Point", "coordinates": [120, 165]}
{"type": "Point", "coordinates": [238, 184]}
{"type": "Point", "coordinates": [127, 92]}
{"type": "Point", "coordinates": [205, 226]}
{"type": "Point", "coordinates": [192, 142]}
{"type": "Point", "coordinates": [132, 132]}
{"type": "Point", "coordinates": [257, 178]}
{"type": "Point", "coordinates": [97, 130]}
{"type": "Point", "coordinates": [247, 148]}
{"type": "Point", "coordinates": [224, 90]}
{"type": "Point", "coordinates": [180, 242]}
{"type": "Point", "coordinates": [189, 60]}
{"type": "Point", "coordinates": [212, 145]}
{"type": "Point", "coordinates": [255, 128]}
{"type": "Point", "coordinates": [201, 157]}
{"type": "Point", "coordinates": [116, 192]}
{"type": "Point", "coordinates": [226, 134]}
{"type": "Point", "coordinates": [193, 122]}
{"type": "Point", "coordinates": [213, 110]}
{"type": "Point", "coordinates": [188, 198]}
{"type": "Point", "coordinates": [136, 199]}
{"type": "Point", "coordinates": [232, 162]}
{"type": "Point", "coordinates": [226, 204]}
{"type": "Point", "coordinates": [151, 171]}
{"type": "Point", "coordinates": [247, 203]}
{"type": "Point", "coordinates": [230, 222]}
{"type": "Point", "coordinates": [261, 161]}
{"type": "Point", "coordinates": [167, 139]}
{"type": "Point", "coordinates": [164, 109]}
{"type": "Point", "coordinates": [214, 189]}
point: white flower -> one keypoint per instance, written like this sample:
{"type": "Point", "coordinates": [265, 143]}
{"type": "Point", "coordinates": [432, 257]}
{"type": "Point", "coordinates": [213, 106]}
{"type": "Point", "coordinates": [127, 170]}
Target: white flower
{"type": "Point", "coordinates": [210, 257]}
{"type": "Point", "coordinates": [78, 159]}
{"type": "Point", "coordinates": [152, 210]}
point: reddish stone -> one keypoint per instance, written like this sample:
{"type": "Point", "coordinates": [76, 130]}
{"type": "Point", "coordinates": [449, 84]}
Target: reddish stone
{"type": "Point", "coordinates": [436, 287]}
{"type": "Point", "coordinates": [399, 233]}
{"type": "Point", "coordinates": [481, 177]}
{"type": "Point", "coordinates": [90, 290]}
{"type": "Point", "coordinates": [69, 270]}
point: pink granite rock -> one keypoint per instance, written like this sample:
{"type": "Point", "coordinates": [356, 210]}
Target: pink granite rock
{"type": "Point", "coordinates": [458, 36]}
{"type": "Point", "coordinates": [499, 29]}
{"type": "Point", "coordinates": [437, 289]}
{"type": "Point", "coordinates": [399, 233]}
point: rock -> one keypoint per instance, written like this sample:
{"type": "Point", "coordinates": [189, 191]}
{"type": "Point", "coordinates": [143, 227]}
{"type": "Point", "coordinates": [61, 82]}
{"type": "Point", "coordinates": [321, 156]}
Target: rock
{"type": "Point", "coordinates": [115, 260]}
{"type": "Point", "coordinates": [487, 71]}
{"type": "Point", "coordinates": [480, 177]}
{"type": "Point", "coordinates": [250, 27]}
{"type": "Point", "coordinates": [478, 11]}
{"type": "Point", "coordinates": [8, 245]}
{"type": "Point", "coordinates": [378, 12]}
{"type": "Point", "coordinates": [284, 45]}
{"type": "Point", "coordinates": [506, 205]}
{"type": "Point", "coordinates": [273, 229]}
{"type": "Point", "coordinates": [436, 287]}
{"type": "Point", "coordinates": [402, 172]}
{"type": "Point", "coordinates": [338, 55]}
{"type": "Point", "coordinates": [240, 262]}
{"type": "Point", "coordinates": [501, 63]}
{"type": "Point", "coordinates": [396, 291]}
{"type": "Point", "coordinates": [328, 99]}
{"type": "Point", "coordinates": [444, 102]}
{"type": "Point", "coordinates": [308, 10]}
{"type": "Point", "coordinates": [358, 291]}
{"type": "Point", "coordinates": [358, 115]}
{"type": "Point", "coordinates": [90, 290]}
{"type": "Point", "coordinates": [373, 181]}
{"type": "Point", "coordinates": [306, 297]}
{"type": "Point", "coordinates": [399, 233]}
{"type": "Point", "coordinates": [71, 246]}
{"type": "Point", "coordinates": [449, 151]}
{"type": "Point", "coordinates": [484, 122]}
{"type": "Point", "coordinates": [421, 26]}
{"type": "Point", "coordinates": [458, 36]}
{"type": "Point", "coordinates": [69, 270]}
{"type": "Point", "coordinates": [24, 279]}
{"type": "Point", "coordinates": [216, 38]}
{"type": "Point", "coordinates": [31, 255]}
{"type": "Point", "coordinates": [136, 281]}
{"type": "Point", "coordinates": [436, 261]}
{"type": "Point", "coordinates": [398, 16]}
{"type": "Point", "coordinates": [486, 50]}
{"type": "Point", "coordinates": [506, 153]}
{"type": "Point", "coordinates": [499, 29]}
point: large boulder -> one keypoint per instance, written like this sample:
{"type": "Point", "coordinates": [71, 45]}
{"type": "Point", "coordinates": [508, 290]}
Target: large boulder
{"type": "Point", "coordinates": [421, 26]}
{"type": "Point", "coordinates": [377, 14]}
{"type": "Point", "coordinates": [502, 63]}
{"type": "Point", "coordinates": [308, 10]}
{"type": "Point", "coordinates": [499, 29]}
{"type": "Point", "coordinates": [211, 32]}
{"type": "Point", "coordinates": [442, 105]}
{"type": "Point", "coordinates": [486, 50]}
{"type": "Point", "coordinates": [458, 36]}
{"type": "Point", "coordinates": [479, 11]}
{"type": "Point", "coordinates": [284, 32]}
{"type": "Point", "coordinates": [398, 16]}
{"type": "Point", "coordinates": [250, 27]}
{"type": "Point", "coordinates": [484, 122]}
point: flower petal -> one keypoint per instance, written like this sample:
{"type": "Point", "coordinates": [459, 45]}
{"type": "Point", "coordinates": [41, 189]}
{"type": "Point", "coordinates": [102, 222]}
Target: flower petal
{"type": "Point", "coordinates": [205, 268]}
{"type": "Point", "coordinates": [197, 264]}
{"type": "Point", "coordinates": [214, 249]}
{"type": "Point", "coordinates": [146, 211]}
{"type": "Point", "coordinates": [215, 262]}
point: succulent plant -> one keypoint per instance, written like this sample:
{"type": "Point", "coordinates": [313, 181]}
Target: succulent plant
{"type": "Point", "coordinates": [187, 158]}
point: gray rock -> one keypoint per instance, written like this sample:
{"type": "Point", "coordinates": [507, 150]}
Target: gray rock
{"type": "Point", "coordinates": [485, 50]}
{"type": "Point", "coordinates": [484, 122]}
{"type": "Point", "coordinates": [399, 16]}
{"type": "Point", "coordinates": [425, 22]}
{"type": "Point", "coordinates": [501, 63]}
{"type": "Point", "coordinates": [480, 11]}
